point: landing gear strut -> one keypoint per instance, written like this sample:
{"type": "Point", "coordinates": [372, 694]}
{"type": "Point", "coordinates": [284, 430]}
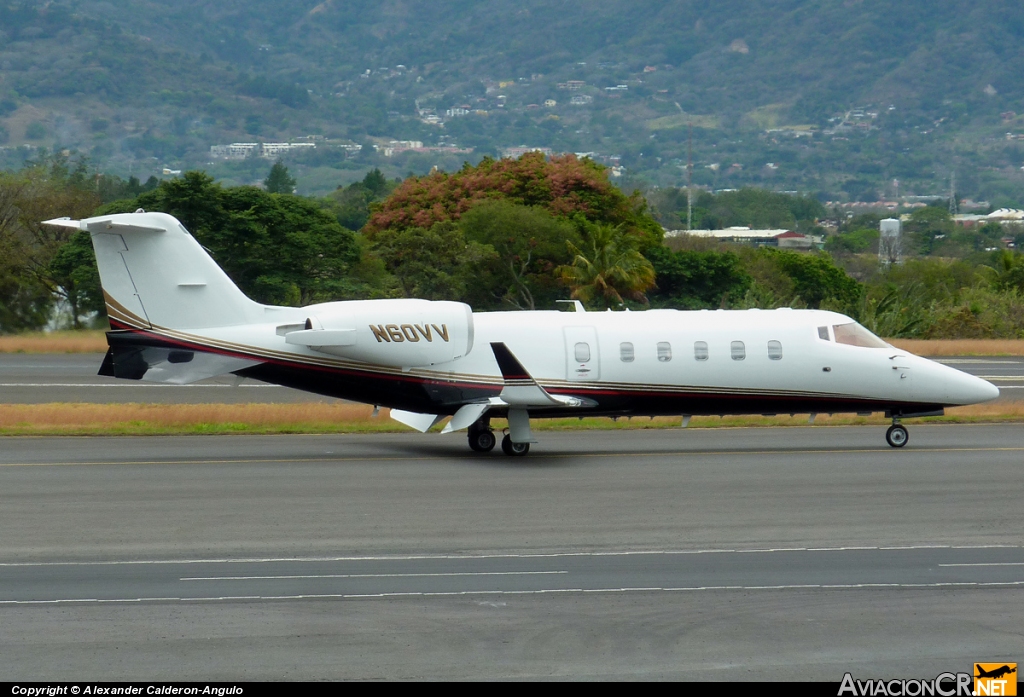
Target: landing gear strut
{"type": "Point", "coordinates": [481, 437]}
{"type": "Point", "coordinates": [897, 435]}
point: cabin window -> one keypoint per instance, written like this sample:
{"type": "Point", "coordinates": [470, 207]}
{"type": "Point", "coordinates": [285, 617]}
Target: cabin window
{"type": "Point", "coordinates": [738, 350]}
{"type": "Point", "coordinates": [823, 333]}
{"type": "Point", "coordinates": [626, 352]}
{"type": "Point", "coordinates": [582, 352]}
{"type": "Point", "coordinates": [856, 335]}
{"type": "Point", "coordinates": [700, 350]}
{"type": "Point", "coordinates": [664, 351]}
{"type": "Point", "coordinates": [775, 350]}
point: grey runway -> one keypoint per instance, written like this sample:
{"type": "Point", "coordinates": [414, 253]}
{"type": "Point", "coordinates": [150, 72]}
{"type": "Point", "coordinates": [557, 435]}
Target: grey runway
{"type": "Point", "coordinates": [41, 378]}
{"type": "Point", "coordinates": [493, 575]}
{"type": "Point", "coordinates": [44, 378]}
{"type": "Point", "coordinates": [722, 554]}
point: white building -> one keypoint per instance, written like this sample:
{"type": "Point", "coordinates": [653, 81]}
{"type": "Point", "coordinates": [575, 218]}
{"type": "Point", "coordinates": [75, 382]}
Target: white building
{"type": "Point", "coordinates": [786, 239]}
{"type": "Point", "coordinates": [240, 151]}
{"type": "Point", "coordinates": [516, 152]}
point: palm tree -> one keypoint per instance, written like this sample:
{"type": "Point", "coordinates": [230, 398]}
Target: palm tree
{"type": "Point", "coordinates": [608, 268]}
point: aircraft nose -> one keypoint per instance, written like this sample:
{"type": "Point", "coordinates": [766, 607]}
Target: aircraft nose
{"type": "Point", "coordinates": [973, 390]}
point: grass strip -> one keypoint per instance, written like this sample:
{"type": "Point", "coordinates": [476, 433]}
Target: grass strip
{"type": "Point", "coordinates": [86, 341]}
{"type": "Point", "coordinates": [63, 419]}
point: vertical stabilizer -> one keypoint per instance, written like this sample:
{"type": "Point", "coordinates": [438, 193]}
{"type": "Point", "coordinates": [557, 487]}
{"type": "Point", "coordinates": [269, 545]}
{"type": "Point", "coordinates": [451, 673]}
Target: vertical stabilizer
{"type": "Point", "coordinates": [155, 274]}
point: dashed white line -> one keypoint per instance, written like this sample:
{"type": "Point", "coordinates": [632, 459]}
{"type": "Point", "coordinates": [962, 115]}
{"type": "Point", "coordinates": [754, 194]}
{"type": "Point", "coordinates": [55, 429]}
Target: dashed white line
{"type": "Point", "coordinates": [501, 555]}
{"type": "Point", "coordinates": [543, 591]}
{"type": "Point", "coordinates": [424, 575]}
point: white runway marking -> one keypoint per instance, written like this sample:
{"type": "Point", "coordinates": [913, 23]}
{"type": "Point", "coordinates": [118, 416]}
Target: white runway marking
{"type": "Point", "coordinates": [544, 591]}
{"type": "Point", "coordinates": [499, 555]}
{"type": "Point", "coordinates": [993, 563]}
{"type": "Point", "coordinates": [466, 573]}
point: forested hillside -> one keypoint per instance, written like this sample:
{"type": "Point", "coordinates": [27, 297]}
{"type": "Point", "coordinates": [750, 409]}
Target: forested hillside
{"type": "Point", "coordinates": [837, 97]}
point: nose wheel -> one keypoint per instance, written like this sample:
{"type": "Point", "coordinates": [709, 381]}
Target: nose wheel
{"type": "Point", "coordinates": [897, 436]}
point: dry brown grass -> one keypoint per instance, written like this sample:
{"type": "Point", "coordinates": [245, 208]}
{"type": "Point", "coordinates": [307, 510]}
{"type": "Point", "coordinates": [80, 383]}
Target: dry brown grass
{"type": "Point", "coordinates": [156, 419]}
{"type": "Point", "coordinates": [961, 347]}
{"type": "Point", "coordinates": [55, 342]}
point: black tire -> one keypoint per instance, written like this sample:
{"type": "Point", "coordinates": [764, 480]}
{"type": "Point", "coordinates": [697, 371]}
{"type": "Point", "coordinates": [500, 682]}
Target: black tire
{"type": "Point", "coordinates": [897, 436]}
{"type": "Point", "coordinates": [514, 449]}
{"type": "Point", "coordinates": [482, 441]}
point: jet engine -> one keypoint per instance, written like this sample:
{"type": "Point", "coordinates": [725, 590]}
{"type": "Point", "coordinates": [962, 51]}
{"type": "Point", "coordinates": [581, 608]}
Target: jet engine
{"type": "Point", "coordinates": [399, 333]}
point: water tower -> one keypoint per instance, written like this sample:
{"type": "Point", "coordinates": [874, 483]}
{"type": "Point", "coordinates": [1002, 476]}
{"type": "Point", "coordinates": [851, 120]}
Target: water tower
{"type": "Point", "coordinates": [890, 243]}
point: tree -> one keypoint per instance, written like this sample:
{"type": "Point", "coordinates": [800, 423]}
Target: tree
{"type": "Point", "coordinates": [816, 278]}
{"type": "Point", "coordinates": [351, 204]}
{"type": "Point", "coordinates": [73, 270]}
{"type": "Point", "coordinates": [530, 244]}
{"type": "Point", "coordinates": [854, 242]}
{"type": "Point", "coordinates": [278, 248]}
{"type": "Point", "coordinates": [607, 268]}
{"type": "Point", "coordinates": [52, 187]}
{"type": "Point", "coordinates": [564, 186]}
{"type": "Point", "coordinates": [929, 225]}
{"type": "Point", "coordinates": [376, 183]}
{"type": "Point", "coordinates": [438, 263]}
{"type": "Point", "coordinates": [694, 279]}
{"type": "Point", "coordinates": [279, 181]}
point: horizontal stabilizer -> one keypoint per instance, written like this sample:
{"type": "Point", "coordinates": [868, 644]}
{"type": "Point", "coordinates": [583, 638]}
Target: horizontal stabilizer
{"type": "Point", "coordinates": [420, 422]}
{"type": "Point", "coordinates": [65, 222]}
{"type": "Point", "coordinates": [521, 389]}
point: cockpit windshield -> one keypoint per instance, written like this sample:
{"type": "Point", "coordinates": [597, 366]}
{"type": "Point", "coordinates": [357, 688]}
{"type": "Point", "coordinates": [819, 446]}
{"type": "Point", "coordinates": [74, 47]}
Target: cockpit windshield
{"type": "Point", "coordinates": [855, 335]}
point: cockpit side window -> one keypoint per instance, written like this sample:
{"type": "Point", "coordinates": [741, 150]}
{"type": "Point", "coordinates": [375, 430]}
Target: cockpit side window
{"type": "Point", "coordinates": [853, 334]}
{"type": "Point", "coordinates": [823, 333]}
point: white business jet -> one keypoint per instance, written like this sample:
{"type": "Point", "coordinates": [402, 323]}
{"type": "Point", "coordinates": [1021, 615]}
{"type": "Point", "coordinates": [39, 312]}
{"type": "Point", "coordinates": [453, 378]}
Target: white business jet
{"type": "Point", "coordinates": [177, 318]}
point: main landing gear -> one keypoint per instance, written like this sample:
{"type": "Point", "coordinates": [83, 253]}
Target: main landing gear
{"type": "Point", "coordinates": [481, 437]}
{"type": "Point", "coordinates": [514, 449]}
{"type": "Point", "coordinates": [483, 440]}
{"type": "Point", "coordinates": [897, 435]}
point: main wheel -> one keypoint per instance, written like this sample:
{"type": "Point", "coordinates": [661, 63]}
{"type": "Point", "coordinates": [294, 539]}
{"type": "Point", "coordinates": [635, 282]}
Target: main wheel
{"type": "Point", "coordinates": [515, 449]}
{"type": "Point", "coordinates": [482, 441]}
{"type": "Point", "coordinates": [897, 436]}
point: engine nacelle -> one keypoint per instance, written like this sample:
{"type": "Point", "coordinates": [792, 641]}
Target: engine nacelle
{"type": "Point", "coordinates": [399, 333]}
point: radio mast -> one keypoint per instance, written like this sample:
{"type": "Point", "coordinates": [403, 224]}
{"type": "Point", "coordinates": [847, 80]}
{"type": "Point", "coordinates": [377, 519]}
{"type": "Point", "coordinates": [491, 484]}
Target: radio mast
{"type": "Point", "coordinates": [689, 180]}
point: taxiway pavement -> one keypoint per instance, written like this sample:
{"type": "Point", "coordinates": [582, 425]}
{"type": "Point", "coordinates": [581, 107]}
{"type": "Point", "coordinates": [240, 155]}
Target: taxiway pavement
{"type": "Point", "coordinates": [722, 554]}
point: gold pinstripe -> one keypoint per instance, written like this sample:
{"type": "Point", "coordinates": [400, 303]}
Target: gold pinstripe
{"type": "Point", "coordinates": [120, 313]}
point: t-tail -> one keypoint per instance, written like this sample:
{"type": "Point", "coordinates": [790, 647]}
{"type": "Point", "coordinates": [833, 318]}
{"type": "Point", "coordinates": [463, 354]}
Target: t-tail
{"type": "Point", "coordinates": [155, 275]}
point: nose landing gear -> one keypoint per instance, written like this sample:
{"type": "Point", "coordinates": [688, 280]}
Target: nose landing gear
{"type": "Point", "coordinates": [897, 435]}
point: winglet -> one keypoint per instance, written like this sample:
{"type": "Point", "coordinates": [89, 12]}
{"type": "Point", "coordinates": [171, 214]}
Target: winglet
{"type": "Point", "coordinates": [511, 368]}
{"type": "Point", "coordinates": [520, 387]}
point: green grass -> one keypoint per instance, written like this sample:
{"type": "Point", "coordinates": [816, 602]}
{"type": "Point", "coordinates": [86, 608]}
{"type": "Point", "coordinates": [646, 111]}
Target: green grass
{"type": "Point", "coordinates": [386, 425]}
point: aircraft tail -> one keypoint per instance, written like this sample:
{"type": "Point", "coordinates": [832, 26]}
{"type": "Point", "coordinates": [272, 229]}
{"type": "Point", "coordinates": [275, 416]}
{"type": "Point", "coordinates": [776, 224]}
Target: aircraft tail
{"type": "Point", "coordinates": [156, 275]}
